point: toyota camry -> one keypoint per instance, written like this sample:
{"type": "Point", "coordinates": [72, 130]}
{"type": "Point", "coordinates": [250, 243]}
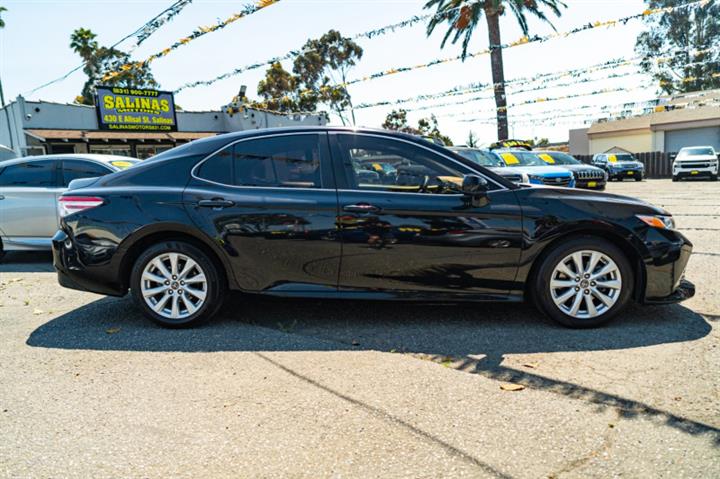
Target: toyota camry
{"type": "Point", "coordinates": [296, 212]}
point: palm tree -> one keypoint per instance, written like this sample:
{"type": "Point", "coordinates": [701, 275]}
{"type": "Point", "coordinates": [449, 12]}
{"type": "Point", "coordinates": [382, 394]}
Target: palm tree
{"type": "Point", "coordinates": [463, 21]}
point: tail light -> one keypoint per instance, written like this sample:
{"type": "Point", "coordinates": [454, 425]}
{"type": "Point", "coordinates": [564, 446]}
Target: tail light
{"type": "Point", "coordinates": [68, 205]}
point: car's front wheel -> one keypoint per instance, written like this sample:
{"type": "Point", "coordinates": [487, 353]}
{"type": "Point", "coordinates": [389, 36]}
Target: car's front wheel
{"type": "Point", "coordinates": [583, 283]}
{"type": "Point", "coordinates": [176, 284]}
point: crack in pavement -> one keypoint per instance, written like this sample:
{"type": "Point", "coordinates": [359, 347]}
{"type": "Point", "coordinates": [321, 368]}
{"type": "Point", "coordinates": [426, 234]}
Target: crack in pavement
{"type": "Point", "coordinates": [386, 416]}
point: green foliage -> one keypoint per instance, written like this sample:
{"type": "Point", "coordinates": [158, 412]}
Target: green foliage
{"type": "Point", "coordinates": [2, 22]}
{"type": "Point", "coordinates": [317, 77]}
{"type": "Point", "coordinates": [472, 140]}
{"type": "Point", "coordinates": [674, 35]}
{"type": "Point", "coordinates": [463, 22]}
{"type": "Point", "coordinates": [397, 120]}
{"type": "Point", "coordinates": [101, 60]}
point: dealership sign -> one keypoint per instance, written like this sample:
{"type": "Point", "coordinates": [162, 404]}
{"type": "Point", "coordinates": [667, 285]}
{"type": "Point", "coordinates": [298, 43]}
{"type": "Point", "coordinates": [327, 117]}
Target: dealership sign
{"type": "Point", "coordinates": [135, 109]}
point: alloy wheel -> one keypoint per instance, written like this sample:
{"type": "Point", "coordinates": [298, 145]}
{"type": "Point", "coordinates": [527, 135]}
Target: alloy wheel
{"type": "Point", "coordinates": [173, 285]}
{"type": "Point", "coordinates": [586, 284]}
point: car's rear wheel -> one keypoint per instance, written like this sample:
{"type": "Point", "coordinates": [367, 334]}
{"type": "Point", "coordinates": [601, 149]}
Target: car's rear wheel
{"type": "Point", "coordinates": [638, 178]}
{"type": "Point", "coordinates": [583, 283]}
{"type": "Point", "coordinates": [176, 284]}
{"type": "Point", "coordinates": [675, 178]}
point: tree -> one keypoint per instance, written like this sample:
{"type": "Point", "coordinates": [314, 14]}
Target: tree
{"type": "Point", "coordinates": [397, 120]}
{"type": "Point", "coordinates": [674, 36]}
{"type": "Point", "coordinates": [2, 22]}
{"type": "Point", "coordinates": [463, 22]}
{"type": "Point", "coordinates": [99, 60]}
{"type": "Point", "coordinates": [318, 77]}
{"type": "Point", "coordinates": [472, 140]}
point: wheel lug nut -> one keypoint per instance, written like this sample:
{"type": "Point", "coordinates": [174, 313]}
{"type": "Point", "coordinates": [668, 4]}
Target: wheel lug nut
{"type": "Point", "coordinates": [592, 283]}
{"type": "Point", "coordinates": [182, 283]}
{"type": "Point", "coordinates": [174, 277]}
{"type": "Point", "coordinates": [587, 291]}
{"type": "Point", "coordinates": [167, 283]}
{"type": "Point", "coordinates": [170, 292]}
{"type": "Point", "coordinates": [577, 288]}
{"type": "Point", "coordinates": [587, 276]}
{"type": "Point", "coordinates": [577, 279]}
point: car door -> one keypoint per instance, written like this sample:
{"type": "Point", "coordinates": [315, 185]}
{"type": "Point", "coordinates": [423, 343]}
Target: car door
{"type": "Point", "coordinates": [271, 203]}
{"type": "Point", "coordinates": [418, 233]}
{"type": "Point", "coordinates": [28, 192]}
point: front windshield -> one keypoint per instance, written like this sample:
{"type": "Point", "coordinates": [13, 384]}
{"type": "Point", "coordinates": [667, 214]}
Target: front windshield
{"type": "Point", "coordinates": [521, 158]}
{"type": "Point", "coordinates": [558, 158]}
{"type": "Point", "coordinates": [482, 158]}
{"type": "Point", "coordinates": [623, 157]}
{"type": "Point", "coordinates": [696, 152]}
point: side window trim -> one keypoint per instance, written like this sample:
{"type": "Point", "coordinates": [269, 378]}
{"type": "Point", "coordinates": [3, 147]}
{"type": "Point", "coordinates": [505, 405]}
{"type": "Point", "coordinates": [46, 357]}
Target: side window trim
{"type": "Point", "coordinates": [342, 171]}
{"type": "Point", "coordinates": [322, 148]}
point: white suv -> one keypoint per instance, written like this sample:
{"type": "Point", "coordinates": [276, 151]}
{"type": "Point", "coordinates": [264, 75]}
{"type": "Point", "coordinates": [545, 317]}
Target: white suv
{"type": "Point", "coordinates": [696, 161]}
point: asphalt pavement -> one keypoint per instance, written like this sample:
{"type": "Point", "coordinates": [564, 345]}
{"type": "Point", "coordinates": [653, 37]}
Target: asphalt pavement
{"type": "Point", "coordinates": [317, 388]}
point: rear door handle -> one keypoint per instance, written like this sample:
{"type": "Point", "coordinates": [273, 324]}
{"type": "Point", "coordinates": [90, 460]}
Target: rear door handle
{"type": "Point", "coordinates": [361, 208]}
{"type": "Point", "coordinates": [216, 203]}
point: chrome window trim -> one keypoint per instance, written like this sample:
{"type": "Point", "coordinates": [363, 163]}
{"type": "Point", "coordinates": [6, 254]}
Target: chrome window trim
{"type": "Point", "coordinates": [392, 138]}
{"type": "Point", "coordinates": [259, 137]}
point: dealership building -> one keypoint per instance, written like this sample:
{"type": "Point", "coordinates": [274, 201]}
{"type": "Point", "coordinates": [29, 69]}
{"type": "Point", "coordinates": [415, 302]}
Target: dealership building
{"type": "Point", "coordinates": [41, 127]}
{"type": "Point", "coordinates": [680, 120]}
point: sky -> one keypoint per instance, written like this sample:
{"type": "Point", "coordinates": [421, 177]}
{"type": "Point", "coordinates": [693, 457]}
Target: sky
{"type": "Point", "coordinates": [34, 49]}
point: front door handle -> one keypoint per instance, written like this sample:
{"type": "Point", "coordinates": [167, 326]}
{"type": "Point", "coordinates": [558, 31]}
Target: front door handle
{"type": "Point", "coordinates": [216, 203]}
{"type": "Point", "coordinates": [361, 208]}
{"type": "Point", "coordinates": [2, 197]}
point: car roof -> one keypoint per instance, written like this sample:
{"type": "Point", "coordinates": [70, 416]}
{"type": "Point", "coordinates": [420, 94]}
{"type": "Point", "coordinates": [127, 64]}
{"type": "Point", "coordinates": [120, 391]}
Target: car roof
{"type": "Point", "coordinates": [70, 156]}
{"type": "Point", "coordinates": [699, 146]}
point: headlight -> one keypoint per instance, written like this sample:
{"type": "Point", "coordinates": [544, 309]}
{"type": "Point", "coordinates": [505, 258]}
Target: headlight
{"type": "Point", "coordinates": [658, 221]}
{"type": "Point", "coordinates": [535, 178]}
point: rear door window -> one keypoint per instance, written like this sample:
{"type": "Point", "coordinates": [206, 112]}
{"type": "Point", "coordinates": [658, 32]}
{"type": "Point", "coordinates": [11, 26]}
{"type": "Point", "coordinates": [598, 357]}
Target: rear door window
{"type": "Point", "coordinates": [287, 161]}
{"type": "Point", "coordinates": [74, 169]}
{"type": "Point", "coordinates": [38, 174]}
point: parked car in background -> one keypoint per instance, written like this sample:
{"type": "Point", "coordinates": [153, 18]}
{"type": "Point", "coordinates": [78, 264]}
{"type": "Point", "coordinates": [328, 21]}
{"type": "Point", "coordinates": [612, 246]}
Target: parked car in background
{"type": "Point", "coordinates": [29, 188]}
{"type": "Point", "coordinates": [619, 166]}
{"type": "Point", "coordinates": [489, 160]}
{"type": "Point", "coordinates": [285, 212]}
{"type": "Point", "coordinates": [696, 162]}
{"type": "Point", "coordinates": [534, 170]}
{"type": "Point", "coordinates": [586, 176]}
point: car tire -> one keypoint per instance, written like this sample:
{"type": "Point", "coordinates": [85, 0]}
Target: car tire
{"type": "Point", "coordinates": [713, 177]}
{"type": "Point", "coordinates": [160, 284]}
{"type": "Point", "coordinates": [675, 178]}
{"type": "Point", "coordinates": [639, 178]}
{"type": "Point", "coordinates": [558, 294]}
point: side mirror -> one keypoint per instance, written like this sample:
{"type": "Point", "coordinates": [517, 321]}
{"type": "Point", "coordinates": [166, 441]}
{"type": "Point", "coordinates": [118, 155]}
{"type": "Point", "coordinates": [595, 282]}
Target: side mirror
{"type": "Point", "coordinates": [476, 189]}
{"type": "Point", "coordinates": [474, 185]}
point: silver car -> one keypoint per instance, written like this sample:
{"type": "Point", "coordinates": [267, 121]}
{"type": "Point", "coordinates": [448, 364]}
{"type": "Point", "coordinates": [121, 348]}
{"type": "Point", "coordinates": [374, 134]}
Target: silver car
{"type": "Point", "coordinates": [29, 188]}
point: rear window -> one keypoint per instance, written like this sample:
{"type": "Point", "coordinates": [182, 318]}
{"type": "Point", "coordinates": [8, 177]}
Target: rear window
{"type": "Point", "coordinates": [74, 169]}
{"type": "Point", "coordinates": [31, 174]}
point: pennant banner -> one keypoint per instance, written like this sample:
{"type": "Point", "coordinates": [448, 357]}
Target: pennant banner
{"type": "Point", "coordinates": [199, 32]}
{"type": "Point", "coordinates": [527, 40]}
{"type": "Point", "coordinates": [153, 25]}
{"type": "Point", "coordinates": [370, 34]}
{"type": "Point", "coordinates": [414, 20]}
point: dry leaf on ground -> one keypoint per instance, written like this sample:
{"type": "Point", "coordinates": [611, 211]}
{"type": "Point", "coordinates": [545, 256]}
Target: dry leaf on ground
{"type": "Point", "coordinates": [511, 387]}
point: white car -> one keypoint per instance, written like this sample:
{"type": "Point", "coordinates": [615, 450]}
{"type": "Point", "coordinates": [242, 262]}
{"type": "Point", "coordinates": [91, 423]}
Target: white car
{"type": "Point", "coordinates": [695, 162]}
{"type": "Point", "coordinates": [29, 188]}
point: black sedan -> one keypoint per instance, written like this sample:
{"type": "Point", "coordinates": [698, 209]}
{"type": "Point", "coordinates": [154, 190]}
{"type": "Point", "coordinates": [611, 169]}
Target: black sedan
{"type": "Point", "coordinates": [287, 212]}
{"type": "Point", "coordinates": [586, 176]}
